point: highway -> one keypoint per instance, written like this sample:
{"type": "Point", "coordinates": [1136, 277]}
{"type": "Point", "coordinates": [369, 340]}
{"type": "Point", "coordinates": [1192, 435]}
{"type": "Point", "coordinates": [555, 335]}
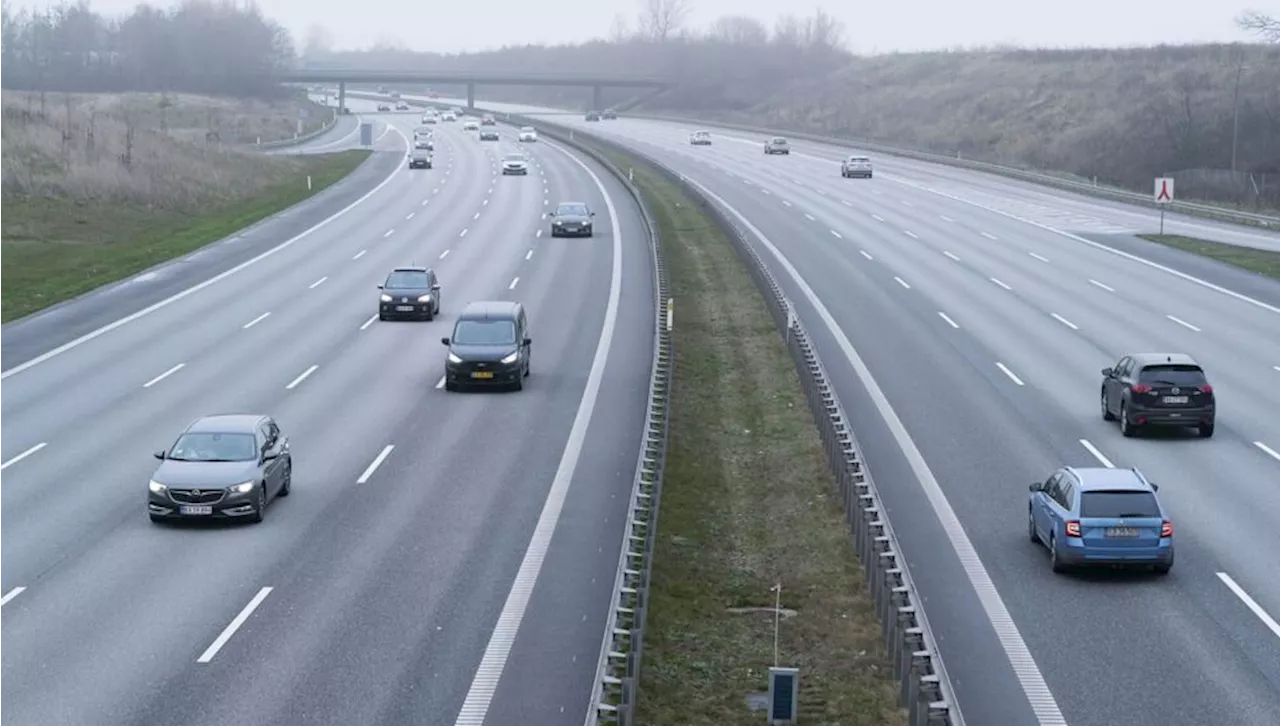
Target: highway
{"type": "Point", "coordinates": [370, 594]}
{"type": "Point", "coordinates": [965, 331]}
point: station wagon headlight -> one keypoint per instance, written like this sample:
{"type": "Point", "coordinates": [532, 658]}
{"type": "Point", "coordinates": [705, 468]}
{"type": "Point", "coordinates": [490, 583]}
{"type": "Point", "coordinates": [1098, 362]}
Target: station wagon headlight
{"type": "Point", "coordinates": [244, 488]}
{"type": "Point", "coordinates": [425, 298]}
{"type": "Point", "coordinates": [156, 487]}
{"type": "Point", "coordinates": [384, 297]}
{"type": "Point", "coordinates": [511, 358]}
{"type": "Point", "coordinates": [454, 359]}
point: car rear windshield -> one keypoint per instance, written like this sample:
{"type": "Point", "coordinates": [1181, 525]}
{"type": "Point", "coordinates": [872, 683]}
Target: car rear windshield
{"type": "Point", "coordinates": [484, 332]}
{"type": "Point", "coordinates": [859, 159]}
{"type": "Point", "coordinates": [1173, 375]}
{"type": "Point", "coordinates": [515, 157]}
{"type": "Point", "coordinates": [214, 447]}
{"type": "Point", "coordinates": [402, 279]}
{"type": "Point", "coordinates": [571, 210]}
{"type": "Point", "coordinates": [1118, 504]}
{"type": "Point", "coordinates": [780, 142]}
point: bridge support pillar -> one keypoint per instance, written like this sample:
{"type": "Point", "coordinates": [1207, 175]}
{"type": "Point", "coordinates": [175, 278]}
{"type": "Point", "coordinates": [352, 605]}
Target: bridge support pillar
{"type": "Point", "coordinates": [471, 95]}
{"type": "Point", "coordinates": [342, 96]}
{"type": "Point", "coordinates": [597, 98]}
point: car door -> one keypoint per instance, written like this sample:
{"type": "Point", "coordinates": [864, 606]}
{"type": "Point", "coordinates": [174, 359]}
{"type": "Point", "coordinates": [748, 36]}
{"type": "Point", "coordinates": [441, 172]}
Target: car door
{"type": "Point", "coordinates": [1110, 383]}
{"type": "Point", "coordinates": [1041, 506]}
{"type": "Point", "coordinates": [271, 474]}
{"type": "Point", "coordinates": [1060, 508]}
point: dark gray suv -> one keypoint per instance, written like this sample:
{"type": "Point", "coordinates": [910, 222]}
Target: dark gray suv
{"type": "Point", "coordinates": [1158, 389]}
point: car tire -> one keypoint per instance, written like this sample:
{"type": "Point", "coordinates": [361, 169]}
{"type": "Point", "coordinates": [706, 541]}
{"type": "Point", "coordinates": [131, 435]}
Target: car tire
{"type": "Point", "coordinates": [431, 314]}
{"type": "Point", "coordinates": [260, 507]}
{"type": "Point", "coordinates": [1055, 563]}
{"type": "Point", "coordinates": [1128, 430]}
{"type": "Point", "coordinates": [1164, 567]}
{"type": "Point", "coordinates": [1106, 412]}
{"type": "Point", "coordinates": [554, 233]}
{"type": "Point", "coordinates": [1031, 526]}
{"type": "Point", "coordinates": [437, 308]}
{"type": "Point", "coordinates": [287, 486]}
{"type": "Point", "coordinates": [450, 386]}
{"type": "Point", "coordinates": [156, 518]}
{"type": "Point", "coordinates": [1206, 430]}
{"type": "Point", "coordinates": [381, 316]}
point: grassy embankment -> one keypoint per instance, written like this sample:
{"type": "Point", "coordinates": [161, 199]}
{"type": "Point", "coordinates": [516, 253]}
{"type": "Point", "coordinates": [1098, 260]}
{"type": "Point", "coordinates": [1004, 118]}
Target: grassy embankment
{"type": "Point", "coordinates": [747, 502]}
{"type": "Point", "coordinates": [99, 187]}
{"type": "Point", "coordinates": [1263, 262]}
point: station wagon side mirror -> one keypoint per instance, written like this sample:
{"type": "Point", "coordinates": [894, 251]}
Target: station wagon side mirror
{"type": "Point", "coordinates": [551, 214]}
{"type": "Point", "coordinates": [593, 214]}
{"type": "Point", "coordinates": [444, 341]}
{"type": "Point", "coordinates": [1108, 372]}
{"type": "Point", "coordinates": [1035, 486]}
{"type": "Point", "coordinates": [381, 287]}
{"type": "Point", "coordinates": [1155, 487]}
{"type": "Point", "coordinates": [160, 454]}
{"type": "Point", "coordinates": [528, 341]}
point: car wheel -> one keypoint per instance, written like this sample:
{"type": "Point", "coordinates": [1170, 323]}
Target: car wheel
{"type": "Point", "coordinates": [381, 316]}
{"type": "Point", "coordinates": [437, 305]}
{"type": "Point", "coordinates": [1106, 412]}
{"type": "Point", "coordinates": [1031, 526]}
{"type": "Point", "coordinates": [287, 485]}
{"type": "Point", "coordinates": [1206, 430]}
{"type": "Point", "coordinates": [519, 384]}
{"type": "Point", "coordinates": [450, 386]}
{"type": "Point", "coordinates": [1054, 562]}
{"type": "Point", "coordinates": [1164, 567]}
{"type": "Point", "coordinates": [260, 506]}
{"type": "Point", "coordinates": [158, 519]}
{"type": "Point", "coordinates": [431, 314]}
{"type": "Point", "coordinates": [1127, 429]}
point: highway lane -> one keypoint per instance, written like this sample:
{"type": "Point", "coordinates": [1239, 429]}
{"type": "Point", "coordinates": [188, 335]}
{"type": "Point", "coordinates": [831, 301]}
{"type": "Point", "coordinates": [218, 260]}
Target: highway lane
{"type": "Point", "coordinates": [125, 608]}
{"type": "Point", "coordinates": [1188, 649]}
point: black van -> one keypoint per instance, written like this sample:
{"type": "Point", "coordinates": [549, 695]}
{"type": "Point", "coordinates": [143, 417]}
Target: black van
{"type": "Point", "coordinates": [489, 347]}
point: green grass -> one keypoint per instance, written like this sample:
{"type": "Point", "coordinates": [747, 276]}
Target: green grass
{"type": "Point", "coordinates": [57, 248]}
{"type": "Point", "coordinates": [747, 502]}
{"type": "Point", "coordinates": [1263, 262]}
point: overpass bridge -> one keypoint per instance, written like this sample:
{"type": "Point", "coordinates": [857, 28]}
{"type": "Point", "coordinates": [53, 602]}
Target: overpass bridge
{"type": "Point", "coordinates": [597, 83]}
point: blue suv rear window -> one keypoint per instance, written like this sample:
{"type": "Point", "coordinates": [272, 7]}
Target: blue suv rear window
{"type": "Point", "coordinates": [1109, 505]}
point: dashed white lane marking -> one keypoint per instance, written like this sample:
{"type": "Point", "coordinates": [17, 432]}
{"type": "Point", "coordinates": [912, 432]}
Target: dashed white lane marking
{"type": "Point", "coordinates": [463, 233]}
{"type": "Point", "coordinates": [11, 595]}
{"type": "Point", "coordinates": [377, 462]}
{"type": "Point", "coordinates": [426, 201]}
{"type": "Point", "coordinates": [389, 232]}
{"type": "Point", "coordinates": [1038, 257]}
{"type": "Point", "coordinates": [359, 254]}
{"type": "Point", "coordinates": [1096, 454]}
{"type": "Point", "coordinates": [255, 321]}
{"type": "Point", "coordinates": [877, 218]}
{"type": "Point", "coordinates": [836, 234]}
{"type": "Point", "coordinates": [164, 375]}
{"type": "Point", "coordinates": [485, 203]}
{"type": "Point", "coordinates": [1250, 603]}
{"type": "Point", "coordinates": [444, 254]}
{"type": "Point", "coordinates": [910, 234]}
{"type": "Point", "coordinates": [1108, 288]}
{"type": "Point", "coordinates": [1001, 284]}
{"type": "Point", "coordinates": [23, 455]}
{"type": "Point", "coordinates": [1009, 373]}
{"type": "Point", "coordinates": [945, 218]}
{"type": "Point", "coordinates": [866, 254]}
{"type": "Point", "coordinates": [909, 204]}
{"type": "Point", "coordinates": [529, 255]}
{"type": "Point", "coordinates": [369, 322]}
{"type": "Point", "coordinates": [1064, 321]}
{"type": "Point", "coordinates": [1276, 367]}
{"type": "Point", "coordinates": [1183, 323]}
{"type": "Point", "coordinates": [513, 284]}
{"type": "Point", "coordinates": [538, 233]}
{"type": "Point", "coordinates": [766, 191]}
{"type": "Point", "coordinates": [476, 215]}
{"type": "Point", "coordinates": [409, 216]}
{"type": "Point", "coordinates": [947, 318]}
{"type": "Point", "coordinates": [809, 217]}
{"type": "Point", "coordinates": [902, 282]}
{"type": "Point", "coordinates": [317, 283]}
{"type": "Point", "coordinates": [1268, 450]}
{"type": "Point", "coordinates": [544, 215]}
{"type": "Point", "coordinates": [846, 202]}
{"type": "Point", "coordinates": [786, 202]}
{"type": "Point", "coordinates": [988, 235]}
{"type": "Point", "coordinates": [489, 191]}
{"type": "Point", "coordinates": [304, 375]}
{"type": "Point", "coordinates": [233, 626]}
{"type": "Point", "coordinates": [545, 202]}
{"type": "Point", "coordinates": [440, 383]}
{"type": "Point", "coordinates": [948, 254]}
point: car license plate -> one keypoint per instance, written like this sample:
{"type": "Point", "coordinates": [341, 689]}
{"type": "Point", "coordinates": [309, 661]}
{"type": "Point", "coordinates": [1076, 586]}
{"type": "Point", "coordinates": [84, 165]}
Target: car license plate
{"type": "Point", "coordinates": [482, 374]}
{"type": "Point", "coordinates": [195, 509]}
{"type": "Point", "coordinates": [1176, 399]}
{"type": "Point", "coordinates": [1121, 532]}
{"type": "Point", "coordinates": [404, 308]}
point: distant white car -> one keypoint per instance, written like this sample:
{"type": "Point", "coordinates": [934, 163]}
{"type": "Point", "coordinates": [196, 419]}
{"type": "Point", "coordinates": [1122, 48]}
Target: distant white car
{"type": "Point", "coordinates": [449, 116]}
{"type": "Point", "coordinates": [470, 126]}
{"type": "Point", "coordinates": [402, 106]}
{"type": "Point", "coordinates": [856, 166]}
{"type": "Point", "coordinates": [429, 119]}
{"type": "Point", "coordinates": [528, 134]}
{"type": "Point", "coordinates": [514, 164]}
{"type": "Point", "coordinates": [700, 138]}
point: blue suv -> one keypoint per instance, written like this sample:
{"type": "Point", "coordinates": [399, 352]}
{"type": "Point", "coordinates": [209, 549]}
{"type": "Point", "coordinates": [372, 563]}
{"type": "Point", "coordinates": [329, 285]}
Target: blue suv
{"type": "Point", "coordinates": [1100, 516]}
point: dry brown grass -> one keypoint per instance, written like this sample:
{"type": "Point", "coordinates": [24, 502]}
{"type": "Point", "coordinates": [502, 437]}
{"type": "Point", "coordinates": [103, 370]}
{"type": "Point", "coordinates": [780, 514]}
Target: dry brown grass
{"type": "Point", "coordinates": [747, 502]}
{"type": "Point", "coordinates": [186, 152]}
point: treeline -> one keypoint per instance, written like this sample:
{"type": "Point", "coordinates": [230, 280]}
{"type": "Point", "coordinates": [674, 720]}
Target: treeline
{"type": "Point", "coordinates": [199, 46]}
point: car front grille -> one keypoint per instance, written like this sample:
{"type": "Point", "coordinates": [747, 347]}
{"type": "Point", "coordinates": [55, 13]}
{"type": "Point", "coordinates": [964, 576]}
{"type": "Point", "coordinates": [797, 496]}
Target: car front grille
{"type": "Point", "coordinates": [190, 496]}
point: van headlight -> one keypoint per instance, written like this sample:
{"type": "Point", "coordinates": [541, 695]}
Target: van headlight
{"type": "Point", "coordinates": [384, 297]}
{"type": "Point", "coordinates": [511, 358]}
{"type": "Point", "coordinates": [156, 487]}
{"type": "Point", "coordinates": [425, 298]}
{"type": "Point", "coordinates": [454, 359]}
{"type": "Point", "coordinates": [243, 488]}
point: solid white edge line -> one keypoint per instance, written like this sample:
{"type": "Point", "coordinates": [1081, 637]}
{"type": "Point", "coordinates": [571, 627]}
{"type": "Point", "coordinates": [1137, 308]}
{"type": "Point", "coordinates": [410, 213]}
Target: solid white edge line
{"type": "Point", "coordinates": [294, 383]}
{"type": "Point", "coordinates": [11, 595]}
{"type": "Point", "coordinates": [1028, 674]}
{"type": "Point", "coordinates": [255, 321]}
{"type": "Point", "coordinates": [23, 455]}
{"type": "Point", "coordinates": [1268, 450]}
{"type": "Point", "coordinates": [947, 318]}
{"type": "Point", "coordinates": [1009, 373]}
{"type": "Point", "coordinates": [69, 345]}
{"type": "Point", "coordinates": [1250, 603]}
{"type": "Point", "coordinates": [164, 375]}
{"type": "Point", "coordinates": [1064, 321]}
{"type": "Point", "coordinates": [377, 462]}
{"type": "Point", "coordinates": [233, 626]}
{"type": "Point", "coordinates": [1096, 454]}
{"type": "Point", "coordinates": [489, 673]}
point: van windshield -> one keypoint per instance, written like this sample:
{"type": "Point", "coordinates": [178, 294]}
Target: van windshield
{"type": "Point", "coordinates": [484, 332]}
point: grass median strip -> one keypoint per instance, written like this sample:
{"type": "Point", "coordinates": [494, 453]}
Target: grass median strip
{"type": "Point", "coordinates": [747, 502]}
{"type": "Point", "coordinates": [55, 248]}
{"type": "Point", "coordinates": [1263, 262]}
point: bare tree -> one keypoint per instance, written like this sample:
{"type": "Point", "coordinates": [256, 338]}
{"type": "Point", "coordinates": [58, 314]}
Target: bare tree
{"type": "Point", "coordinates": [661, 20]}
{"type": "Point", "coordinates": [824, 33]}
{"type": "Point", "coordinates": [739, 30]}
{"type": "Point", "coordinates": [619, 30]}
{"type": "Point", "coordinates": [1263, 25]}
{"type": "Point", "coordinates": [319, 41]}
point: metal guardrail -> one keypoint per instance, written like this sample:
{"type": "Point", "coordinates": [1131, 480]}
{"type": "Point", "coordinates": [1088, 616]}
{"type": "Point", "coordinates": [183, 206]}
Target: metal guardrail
{"type": "Point", "coordinates": [304, 138]}
{"type": "Point", "coordinates": [1208, 211]}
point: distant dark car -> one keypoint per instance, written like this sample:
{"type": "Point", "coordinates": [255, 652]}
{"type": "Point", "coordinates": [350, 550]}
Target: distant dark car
{"type": "Point", "coordinates": [1158, 389]}
{"type": "Point", "coordinates": [610, 115]}
{"type": "Point", "coordinates": [227, 466]}
{"type": "Point", "coordinates": [409, 292]}
{"type": "Point", "coordinates": [572, 219]}
{"type": "Point", "coordinates": [488, 134]}
{"type": "Point", "coordinates": [420, 159]}
{"type": "Point", "coordinates": [383, 107]}
{"type": "Point", "coordinates": [593, 115]}
{"type": "Point", "coordinates": [490, 346]}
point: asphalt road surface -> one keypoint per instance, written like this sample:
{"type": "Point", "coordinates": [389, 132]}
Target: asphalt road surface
{"type": "Point", "coordinates": [965, 319]}
{"type": "Point", "coordinates": [369, 595]}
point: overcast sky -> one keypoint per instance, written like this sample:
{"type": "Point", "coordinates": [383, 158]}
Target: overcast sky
{"type": "Point", "coordinates": [872, 25]}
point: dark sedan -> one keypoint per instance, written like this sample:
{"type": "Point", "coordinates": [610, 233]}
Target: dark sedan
{"type": "Point", "coordinates": [572, 219]}
{"type": "Point", "coordinates": [420, 159]}
{"type": "Point", "coordinates": [409, 292]}
{"type": "Point", "coordinates": [488, 134]}
{"type": "Point", "coordinates": [228, 466]}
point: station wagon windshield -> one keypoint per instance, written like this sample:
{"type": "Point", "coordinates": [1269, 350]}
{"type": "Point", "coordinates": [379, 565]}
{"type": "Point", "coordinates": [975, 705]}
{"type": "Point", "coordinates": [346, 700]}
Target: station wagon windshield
{"type": "Point", "coordinates": [406, 279]}
{"type": "Point", "coordinates": [214, 447]}
{"type": "Point", "coordinates": [484, 332]}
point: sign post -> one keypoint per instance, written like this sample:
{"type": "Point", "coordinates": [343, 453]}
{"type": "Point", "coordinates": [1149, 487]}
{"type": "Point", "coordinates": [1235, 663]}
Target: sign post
{"type": "Point", "coordinates": [1163, 196]}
